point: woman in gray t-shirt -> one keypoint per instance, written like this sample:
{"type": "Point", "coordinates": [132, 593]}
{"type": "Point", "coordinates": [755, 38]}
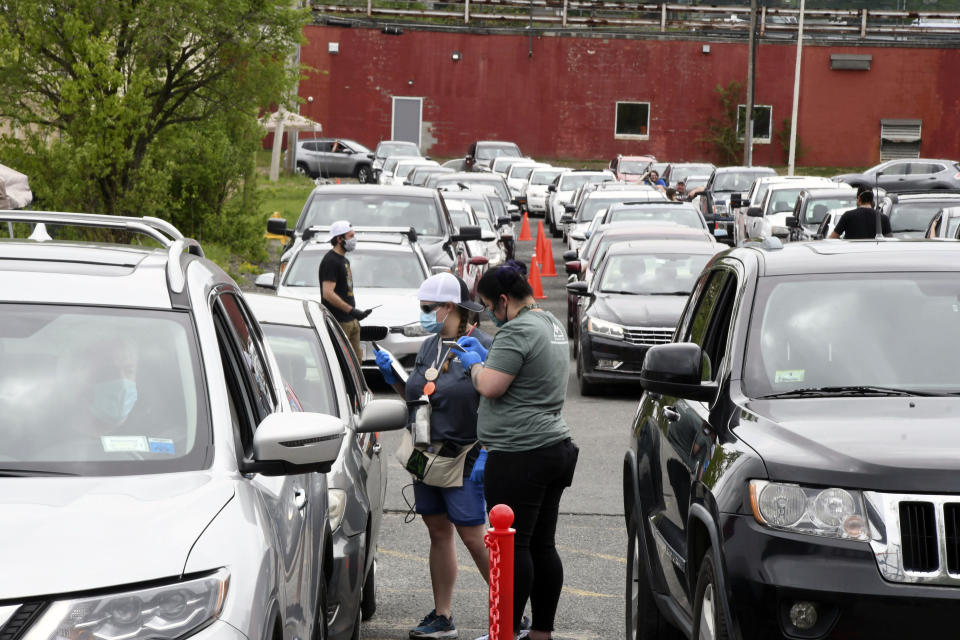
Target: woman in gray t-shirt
{"type": "Point", "coordinates": [522, 381]}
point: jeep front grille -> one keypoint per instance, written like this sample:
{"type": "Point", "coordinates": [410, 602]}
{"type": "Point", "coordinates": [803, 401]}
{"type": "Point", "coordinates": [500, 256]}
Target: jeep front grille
{"type": "Point", "coordinates": [915, 537]}
{"type": "Point", "coordinates": [918, 532]}
{"type": "Point", "coordinates": [648, 335]}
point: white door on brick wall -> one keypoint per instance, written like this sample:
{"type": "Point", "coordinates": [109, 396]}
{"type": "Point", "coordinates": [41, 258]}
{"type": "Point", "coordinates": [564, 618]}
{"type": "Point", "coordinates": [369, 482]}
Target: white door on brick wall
{"type": "Point", "coordinates": [407, 116]}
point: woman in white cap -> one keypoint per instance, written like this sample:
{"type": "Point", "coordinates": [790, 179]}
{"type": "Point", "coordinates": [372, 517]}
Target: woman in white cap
{"type": "Point", "coordinates": [445, 308]}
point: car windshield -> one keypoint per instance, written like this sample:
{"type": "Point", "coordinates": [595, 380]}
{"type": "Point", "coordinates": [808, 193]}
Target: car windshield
{"type": "Point", "coordinates": [851, 330]}
{"type": "Point", "coordinates": [915, 216]}
{"type": "Point", "coordinates": [635, 167]}
{"type": "Point", "coordinates": [692, 182]}
{"type": "Point", "coordinates": [590, 207]}
{"type": "Point", "coordinates": [397, 148]}
{"type": "Point", "coordinates": [606, 241]}
{"type": "Point", "coordinates": [496, 209]}
{"type": "Point", "coordinates": [460, 218]}
{"type": "Point", "coordinates": [782, 200]}
{"type": "Point", "coordinates": [817, 209]}
{"type": "Point", "coordinates": [369, 268]}
{"type": "Point", "coordinates": [490, 151]}
{"type": "Point", "coordinates": [404, 168]}
{"type": "Point", "coordinates": [737, 180]}
{"type": "Point", "coordinates": [373, 210]}
{"type": "Point", "coordinates": [100, 391]}
{"type": "Point", "coordinates": [683, 172]}
{"type": "Point", "coordinates": [497, 184]}
{"type": "Point", "coordinates": [680, 215]}
{"type": "Point", "coordinates": [392, 162]}
{"type": "Point", "coordinates": [544, 177]}
{"type": "Point", "coordinates": [521, 172]}
{"type": "Point", "coordinates": [480, 207]}
{"type": "Point", "coordinates": [574, 181]}
{"type": "Point", "coordinates": [651, 274]}
{"type": "Point", "coordinates": [304, 366]}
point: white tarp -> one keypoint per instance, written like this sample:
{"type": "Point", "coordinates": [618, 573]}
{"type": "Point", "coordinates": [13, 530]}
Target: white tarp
{"type": "Point", "coordinates": [14, 189]}
{"type": "Point", "coordinates": [278, 122]}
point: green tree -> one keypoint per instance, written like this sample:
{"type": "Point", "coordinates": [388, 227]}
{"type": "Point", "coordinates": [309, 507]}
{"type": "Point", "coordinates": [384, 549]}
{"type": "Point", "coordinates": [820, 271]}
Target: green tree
{"type": "Point", "coordinates": [721, 129]}
{"type": "Point", "coordinates": [143, 107]}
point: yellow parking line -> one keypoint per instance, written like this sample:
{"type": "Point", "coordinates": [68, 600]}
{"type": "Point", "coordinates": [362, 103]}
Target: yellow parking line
{"type": "Point", "coordinates": [588, 594]}
{"type": "Point", "coordinates": [601, 556]}
{"type": "Point", "coordinates": [420, 559]}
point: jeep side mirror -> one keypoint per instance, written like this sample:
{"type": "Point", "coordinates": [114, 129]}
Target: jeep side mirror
{"type": "Point", "coordinates": [674, 370]}
{"type": "Point", "coordinates": [571, 267]}
{"type": "Point", "coordinates": [754, 212]}
{"type": "Point", "coordinates": [578, 288]}
{"type": "Point", "coordinates": [570, 255]}
{"type": "Point", "coordinates": [370, 332]}
{"type": "Point", "coordinates": [551, 188]}
{"type": "Point", "coordinates": [793, 222]}
{"type": "Point", "coordinates": [566, 218]}
{"type": "Point", "coordinates": [736, 201]}
{"type": "Point", "coordinates": [383, 414]}
{"type": "Point", "coordinates": [569, 208]}
{"type": "Point", "coordinates": [504, 220]}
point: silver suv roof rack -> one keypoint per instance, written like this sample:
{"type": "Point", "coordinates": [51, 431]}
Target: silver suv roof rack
{"type": "Point", "coordinates": [160, 230]}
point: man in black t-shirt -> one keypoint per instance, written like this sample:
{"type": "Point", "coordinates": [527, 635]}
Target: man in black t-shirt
{"type": "Point", "coordinates": [337, 283]}
{"type": "Point", "coordinates": [861, 223]}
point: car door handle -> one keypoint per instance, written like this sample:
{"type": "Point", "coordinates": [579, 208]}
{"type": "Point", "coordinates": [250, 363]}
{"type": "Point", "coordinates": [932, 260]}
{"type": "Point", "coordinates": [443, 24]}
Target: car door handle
{"type": "Point", "coordinates": [671, 414]}
{"type": "Point", "coordinates": [376, 448]}
{"type": "Point", "coordinates": [300, 499]}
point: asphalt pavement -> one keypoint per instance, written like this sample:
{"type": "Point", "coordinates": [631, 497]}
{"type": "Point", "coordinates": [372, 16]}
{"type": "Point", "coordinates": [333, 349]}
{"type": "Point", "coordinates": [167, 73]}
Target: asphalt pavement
{"type": "Point", "coordinates": [591, 536]}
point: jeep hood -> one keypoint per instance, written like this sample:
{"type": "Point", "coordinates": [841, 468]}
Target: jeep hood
{"type": "Point", "coordinates": [65, 534]}
{"type": "Point", "coordinates": [903, 444]}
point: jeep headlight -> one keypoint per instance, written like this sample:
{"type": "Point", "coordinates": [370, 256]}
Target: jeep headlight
{"type": "Point", "coordinates": [159, 613]}
{"type": "Point", "coordinates": [833, 512]}
{"type": "Point", "coordinates": [603, 328]}
{"type": "Point", "coordinates": [415, 330]}
{"type": "Point", "coordinates": [720, 208]}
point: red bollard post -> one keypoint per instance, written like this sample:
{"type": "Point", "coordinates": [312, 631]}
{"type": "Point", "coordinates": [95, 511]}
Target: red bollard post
{"type": "Point", "coordinates": [499, 540]}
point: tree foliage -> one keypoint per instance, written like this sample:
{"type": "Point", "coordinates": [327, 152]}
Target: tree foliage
{"type": "Point", "coordinates": [721, 129]}
{"type": "Point", "coordinates": [143, 107]}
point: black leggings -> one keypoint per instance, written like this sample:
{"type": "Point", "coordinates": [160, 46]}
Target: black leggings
{"type": "Point", "coordinates": [531, 483]}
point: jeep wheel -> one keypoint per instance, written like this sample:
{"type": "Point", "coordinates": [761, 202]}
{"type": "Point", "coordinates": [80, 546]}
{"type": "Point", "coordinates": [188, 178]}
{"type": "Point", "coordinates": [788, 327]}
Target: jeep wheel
{"type": "Point", "coordinates": [363, 174]}
{"type": "Point", "coordinates": [709, 622]}
{"type": "Point", "coordinates": [643, 620]}
{"type": "Point", "coordinates": [302, 169]}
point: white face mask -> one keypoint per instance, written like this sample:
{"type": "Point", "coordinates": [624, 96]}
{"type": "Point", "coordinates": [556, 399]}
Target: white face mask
{"type": "Point", "coordinates": [350, 244]}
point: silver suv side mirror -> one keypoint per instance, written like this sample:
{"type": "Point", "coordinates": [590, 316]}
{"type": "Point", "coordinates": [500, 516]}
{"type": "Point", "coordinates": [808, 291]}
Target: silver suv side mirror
{"type": "Point", "coordinates": [288, 443]}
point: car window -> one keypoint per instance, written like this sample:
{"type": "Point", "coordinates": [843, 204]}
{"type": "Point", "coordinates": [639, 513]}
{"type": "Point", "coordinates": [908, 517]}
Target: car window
{"type": "Point", "coordinates": [914, 216]}
{"type": "Point", "coordinates": [802, 335]}
{"type": "Point", "coordinates": [711, 319]}
{"type": "Point", "coordinates": [100, 391]}
{"type": "Point", "coordinates": [543, 177]}
{"type": "Point", "coordinates": [897, 169]}
{"type": "Point", "coordinates": [250, 351]}
{"type": "Point", "coordinates": [672, 214]}
{"type": "Point", "coordinates": [925, 168]}
{"type": "Point", "coordinates": [309, 146]}
{"type": "Point", "coordinates": [652, 274]}
{"type": "Point", "coordinates": [369, 268]}
{"type": "Point", "coordinates": [304, 366]}
{"type": "Point", "coordinates": [347, 359]}
{"type": "Point", "coordinates": [373, 210]}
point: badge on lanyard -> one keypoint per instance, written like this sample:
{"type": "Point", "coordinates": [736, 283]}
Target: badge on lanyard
{"type": "Point", "coordinates": [431, 374]}
{"type": "Point", "coordinates": [429, 388]}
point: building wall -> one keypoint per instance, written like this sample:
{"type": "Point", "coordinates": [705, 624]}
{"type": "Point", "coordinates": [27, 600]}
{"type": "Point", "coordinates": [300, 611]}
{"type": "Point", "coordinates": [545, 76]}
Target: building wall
{"type": "Point", "coordinates": [559, 102]}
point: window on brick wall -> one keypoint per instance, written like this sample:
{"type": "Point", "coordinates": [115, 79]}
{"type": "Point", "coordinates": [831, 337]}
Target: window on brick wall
{"type": "Point", "coordinates": [762, 122]}
{"type": "Point", "coordinates": [633, 120]}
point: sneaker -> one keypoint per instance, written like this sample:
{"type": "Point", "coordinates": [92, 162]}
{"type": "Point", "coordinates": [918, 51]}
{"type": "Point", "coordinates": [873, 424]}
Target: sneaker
{"type": "Point", "coordinates": [435, 626]}
{"type": "Point", "coordinates": [525, 623]}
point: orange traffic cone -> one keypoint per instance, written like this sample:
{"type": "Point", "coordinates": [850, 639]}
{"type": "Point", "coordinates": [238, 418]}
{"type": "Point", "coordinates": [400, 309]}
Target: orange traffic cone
{"type": "Point", "coordinates": [525, 229]}
{"type": "Point", "coordinates": [546, 259]}
{"type": "Point", "coordinates": [534, 280]}
{"type": "Point", "coordinates": [541, 240]}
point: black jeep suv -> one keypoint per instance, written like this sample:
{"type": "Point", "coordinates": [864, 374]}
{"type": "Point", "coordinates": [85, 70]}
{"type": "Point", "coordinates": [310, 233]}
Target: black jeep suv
{"type": "Point", "coordinates": [794, 467]}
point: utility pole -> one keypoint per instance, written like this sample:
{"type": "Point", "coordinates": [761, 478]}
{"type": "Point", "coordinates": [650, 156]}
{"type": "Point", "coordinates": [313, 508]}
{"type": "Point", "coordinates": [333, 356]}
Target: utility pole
{"type": "Point", "coordinates": [751, 74]}
{"type": "Point", "coordinates": [796, 95]}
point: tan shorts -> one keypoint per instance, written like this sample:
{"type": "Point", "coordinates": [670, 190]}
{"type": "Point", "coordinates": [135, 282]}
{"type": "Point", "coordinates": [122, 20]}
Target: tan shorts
{"type": "Point", "coordinates": [352, 329]}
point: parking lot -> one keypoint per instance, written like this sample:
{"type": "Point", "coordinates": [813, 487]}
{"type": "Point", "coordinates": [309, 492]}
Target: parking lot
{"type": "Point", "coordinates": [591, 536]}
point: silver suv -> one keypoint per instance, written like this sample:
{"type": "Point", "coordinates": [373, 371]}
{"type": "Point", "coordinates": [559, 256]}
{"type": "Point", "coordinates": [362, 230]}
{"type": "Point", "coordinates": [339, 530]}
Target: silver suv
{"type": "Point", "coordinates": [156, 481]}
{"type": "Point", "coordinates": [334, 157]}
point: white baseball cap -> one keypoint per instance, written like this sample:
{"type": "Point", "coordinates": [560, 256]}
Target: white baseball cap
{"type": "Point", "coordinates": [339, 228]}
{"type": "Point", "coordinates": [446, 287]}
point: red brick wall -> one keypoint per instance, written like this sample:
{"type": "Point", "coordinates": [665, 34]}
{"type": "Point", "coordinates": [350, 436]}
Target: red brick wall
{"type": "Point", "coordinates": [561, 101]}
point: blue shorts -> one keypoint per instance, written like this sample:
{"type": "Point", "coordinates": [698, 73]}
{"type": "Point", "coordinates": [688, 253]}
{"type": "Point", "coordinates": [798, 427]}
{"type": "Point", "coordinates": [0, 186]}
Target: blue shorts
{"type": "Point", "coordinates": [464, 505]}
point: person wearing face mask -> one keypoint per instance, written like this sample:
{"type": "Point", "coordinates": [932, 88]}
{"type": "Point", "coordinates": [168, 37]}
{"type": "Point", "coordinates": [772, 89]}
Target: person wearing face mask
{"type": "Point", "coordinates": [444, 311]}
{"type": "Point", "coordinates": [336, 281]}
{"type": "Point", "coordinates": [522, 379]}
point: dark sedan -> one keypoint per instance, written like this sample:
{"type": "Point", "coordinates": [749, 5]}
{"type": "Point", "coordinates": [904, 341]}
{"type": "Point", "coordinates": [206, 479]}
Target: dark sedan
{"type": "Point", "coordinates": [633, 303]}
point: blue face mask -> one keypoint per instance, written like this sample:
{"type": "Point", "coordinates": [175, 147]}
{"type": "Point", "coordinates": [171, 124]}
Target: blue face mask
{"type": "Point", "coordinates": [430, 323]}
{"type": "Point", "coordinates": [494, 319]}
{"type": "Point", "coordinates": [113, 400]}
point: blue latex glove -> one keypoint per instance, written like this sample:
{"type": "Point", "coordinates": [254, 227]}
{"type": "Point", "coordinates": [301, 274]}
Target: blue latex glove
{"type": "Point", "coordinates": [468, 358]}
{"type": "Point", "coordinates": [472, 344]}
{"type": "Point", "coordinates": [477, 474]}
{"type": "Point", "coordinates": [385, 364]}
